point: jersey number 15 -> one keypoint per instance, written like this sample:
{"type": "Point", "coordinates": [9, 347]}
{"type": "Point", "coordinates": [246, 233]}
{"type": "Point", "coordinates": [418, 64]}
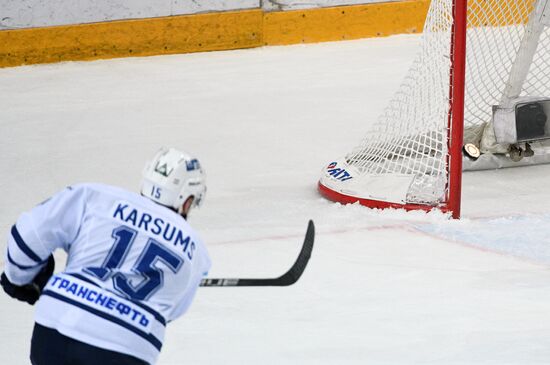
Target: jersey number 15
{"type": "Point", "coordinates": [146, 265]}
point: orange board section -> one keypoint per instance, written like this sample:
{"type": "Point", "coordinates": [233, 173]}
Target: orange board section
{"type": "Point", "coordinates": [208, 32]}
{"type": "Point", "coordinates": [346, 22]}
{"type": "Point", "coordinates": [142, 37]}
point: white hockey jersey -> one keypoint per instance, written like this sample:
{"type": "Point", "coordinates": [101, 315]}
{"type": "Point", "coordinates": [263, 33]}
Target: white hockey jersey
{"type": "Point", "coordinates": [132, 266]}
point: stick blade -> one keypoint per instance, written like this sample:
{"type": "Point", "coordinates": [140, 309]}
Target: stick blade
{"type": "Point", "coordinates": [296, 271]}
{"type": "Point", "coordinates": [288, 278]}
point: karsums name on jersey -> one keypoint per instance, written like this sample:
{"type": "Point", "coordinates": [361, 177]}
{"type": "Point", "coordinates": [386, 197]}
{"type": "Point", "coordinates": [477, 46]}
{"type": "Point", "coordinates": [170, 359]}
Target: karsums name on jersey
{"type": "Point", "coordinates": [154, 225]}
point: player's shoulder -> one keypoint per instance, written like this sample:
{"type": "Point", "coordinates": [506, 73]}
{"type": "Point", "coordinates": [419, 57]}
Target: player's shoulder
{"type": "Point", "coordinates": [136, 201]}
{"type": "Point", "coordinates": [131, 206]}
{"type": "Point", "coordinates": [100, 188]}
{"type": "Point", "coordinates": [111, 192]}
{"type": "Point", "coordinates": [93, 188]}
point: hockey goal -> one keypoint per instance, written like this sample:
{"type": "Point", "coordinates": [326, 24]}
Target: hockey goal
{"type": "Point", "coordinates": [472, 59]}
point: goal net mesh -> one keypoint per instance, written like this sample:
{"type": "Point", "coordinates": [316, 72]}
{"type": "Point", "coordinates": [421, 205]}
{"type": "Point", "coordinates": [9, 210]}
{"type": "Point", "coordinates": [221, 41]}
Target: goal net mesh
{"type": "Point", "coordinates": [411, 135]}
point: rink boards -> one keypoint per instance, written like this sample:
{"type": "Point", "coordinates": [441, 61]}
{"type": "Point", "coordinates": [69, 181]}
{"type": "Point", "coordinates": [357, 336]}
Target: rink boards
{"type": "Point", "coordinates": [30, 42]}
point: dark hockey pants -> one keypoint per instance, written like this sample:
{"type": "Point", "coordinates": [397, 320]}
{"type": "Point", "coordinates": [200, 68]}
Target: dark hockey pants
{"type": "Point", "coordinates": [49, 347]}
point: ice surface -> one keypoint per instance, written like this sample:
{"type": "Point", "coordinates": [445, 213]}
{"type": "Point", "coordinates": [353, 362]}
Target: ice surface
{"type": "Point", "coordinates": [381, 287]}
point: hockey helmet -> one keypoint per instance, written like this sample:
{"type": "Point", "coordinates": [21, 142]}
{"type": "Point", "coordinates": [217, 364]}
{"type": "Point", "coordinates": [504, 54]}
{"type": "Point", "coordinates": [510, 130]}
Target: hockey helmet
{"type": "Point", "coordinates": [171, 177]}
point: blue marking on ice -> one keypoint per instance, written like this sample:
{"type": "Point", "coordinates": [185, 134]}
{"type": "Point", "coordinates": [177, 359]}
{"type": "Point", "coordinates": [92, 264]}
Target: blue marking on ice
{"type": "Point", "coordinates": [525, 236]}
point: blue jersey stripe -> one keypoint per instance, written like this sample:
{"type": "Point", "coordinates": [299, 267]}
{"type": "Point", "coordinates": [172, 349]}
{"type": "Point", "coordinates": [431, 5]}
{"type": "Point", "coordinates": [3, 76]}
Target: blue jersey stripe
{"type": "Point", "coordinates": [23, 246]}
{"type": "Point", "coordinates": [147, 336]}
{"type": "Point", "coordinates": [21, 267]}
{"type": "Point", "coordinates": [156, 314]}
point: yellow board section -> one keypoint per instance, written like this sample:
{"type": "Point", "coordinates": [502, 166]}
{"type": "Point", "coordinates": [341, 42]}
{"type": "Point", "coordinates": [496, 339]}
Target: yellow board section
{"type": "Point", "coordinates": [208, 32]}
{"type": "Point", "coordinates": [500, 13]}
{"type": "Point", "coordinates": [143, 37]}
{"type": "Point", "coordinates": [346, 22]}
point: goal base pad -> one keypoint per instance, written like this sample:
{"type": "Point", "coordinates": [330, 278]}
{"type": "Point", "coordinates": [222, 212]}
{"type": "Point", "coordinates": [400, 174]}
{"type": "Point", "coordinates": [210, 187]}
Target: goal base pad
{"type": "Point", "coordinates": [339, 197]}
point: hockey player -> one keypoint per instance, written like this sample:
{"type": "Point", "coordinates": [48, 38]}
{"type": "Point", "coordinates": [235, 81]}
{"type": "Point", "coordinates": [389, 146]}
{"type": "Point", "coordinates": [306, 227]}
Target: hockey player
{"type": "Point", "coordinates": [133, 265]}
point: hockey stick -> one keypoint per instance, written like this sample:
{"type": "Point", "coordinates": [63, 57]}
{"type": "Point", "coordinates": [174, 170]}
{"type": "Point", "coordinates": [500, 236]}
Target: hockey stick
{"type": "Point", "coordinates": [288, 278]}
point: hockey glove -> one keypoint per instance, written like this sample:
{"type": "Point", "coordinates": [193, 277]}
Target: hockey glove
{"type": "Point", "coordinates": [30, 292]}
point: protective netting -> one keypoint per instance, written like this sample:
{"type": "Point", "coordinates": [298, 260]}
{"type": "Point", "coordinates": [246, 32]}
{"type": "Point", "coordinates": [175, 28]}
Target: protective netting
{"type": "Point", "coordinates": [410, 137]}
